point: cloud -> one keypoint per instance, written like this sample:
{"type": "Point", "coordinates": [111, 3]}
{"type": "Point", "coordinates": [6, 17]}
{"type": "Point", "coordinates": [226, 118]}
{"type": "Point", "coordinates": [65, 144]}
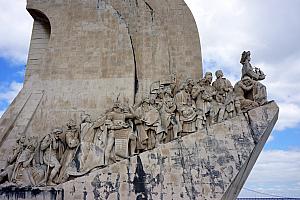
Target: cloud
{"type": "Point", "coordinates": [270, 29]}
{"type": "Point", "coordinates": [276, 172]}
{"type": "Point", "coordinates": [270, 139]}
{"type": "Point", "coordinates": [16, 26]}
{"type": "Point", "coordinates": [288, 116]}
{"type": "Point", "coordinates": [12, 91]}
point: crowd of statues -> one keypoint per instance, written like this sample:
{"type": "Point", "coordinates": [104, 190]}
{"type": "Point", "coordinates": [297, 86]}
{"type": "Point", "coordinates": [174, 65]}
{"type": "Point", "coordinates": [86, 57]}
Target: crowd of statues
{"type": "Point", "coordinates": [171, 110]}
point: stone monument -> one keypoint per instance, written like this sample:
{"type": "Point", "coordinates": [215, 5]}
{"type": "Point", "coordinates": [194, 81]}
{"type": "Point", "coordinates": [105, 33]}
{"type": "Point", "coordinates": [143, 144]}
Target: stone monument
{"type": "Point", "coordinates": [115, 106]}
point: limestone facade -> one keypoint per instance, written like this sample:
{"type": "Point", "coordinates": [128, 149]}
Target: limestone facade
{"type": "Point", "coordinates": [84, 54]}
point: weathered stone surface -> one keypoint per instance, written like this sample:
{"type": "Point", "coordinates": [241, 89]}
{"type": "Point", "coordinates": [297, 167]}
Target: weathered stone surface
{"type": "Point", "coordinates": [210, 164]}
{"type": "Point", "coordinates": [15, 193]}
{"type": "Point", "coordinates": [130, 70]}
{"type": "Point", "coordinates": [83, 54]}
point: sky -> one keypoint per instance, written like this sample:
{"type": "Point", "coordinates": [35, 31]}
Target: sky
{"type": "Point", "coordinates": [270, 29]}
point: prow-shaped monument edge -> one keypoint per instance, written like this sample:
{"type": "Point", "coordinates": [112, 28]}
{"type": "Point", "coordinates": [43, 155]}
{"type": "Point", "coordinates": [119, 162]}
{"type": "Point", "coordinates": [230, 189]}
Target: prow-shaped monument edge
{"type": "Point", "coordinates": [212, 163]}
{"type": "Point", "coordinates": [114, 106]}
{"type": "Point", "coordinates": [195, 140]}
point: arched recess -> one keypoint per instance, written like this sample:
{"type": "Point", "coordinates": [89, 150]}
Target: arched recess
{"type": "Point", "coordinates": [41, 32]}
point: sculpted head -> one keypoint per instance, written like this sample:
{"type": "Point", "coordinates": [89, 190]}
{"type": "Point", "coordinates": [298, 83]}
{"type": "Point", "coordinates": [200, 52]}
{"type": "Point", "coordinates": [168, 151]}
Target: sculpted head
{"type": "Point", "coordinates": [21, 138]}
{"type": "Point", "coordinates": [146, 101]}
{"type": "Point", "coordinates": [219, 74]}
{"type": "Point", "coordinates": [117, 107]}
{"type": "Point", "coordinates": [85, 118]}
{"type": "Point", "coordinates": [71, 123]}
{"type": "Point", "coordinates": [190, 84]}
{"type": "Point", "coordinates": [32, 143]}
{"type": "Point", "coordinates": [183, 86]}
{"type": "Point", "coordinates": [245, 57]}
{"type": "Point", "coordinates": [247, 81]}
{"type": "Point", "coordinates": [208, 77]}
{"type": "Point", "coordinates": [57, 132]}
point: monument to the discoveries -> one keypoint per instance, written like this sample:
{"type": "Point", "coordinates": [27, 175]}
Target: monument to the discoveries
{"type": "Point", "coordinates": [114, 106]}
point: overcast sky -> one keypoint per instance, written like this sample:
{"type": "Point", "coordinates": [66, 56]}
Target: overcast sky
{"type": "Point", "coordinates": [269, 28]}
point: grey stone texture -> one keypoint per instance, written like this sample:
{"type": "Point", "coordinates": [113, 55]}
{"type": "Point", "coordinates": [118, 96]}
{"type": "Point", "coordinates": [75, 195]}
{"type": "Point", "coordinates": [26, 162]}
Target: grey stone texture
{"type": "Point", "coordinates": [83, 54]}
{"type": "Point", "coordinates": [14, 193]}
{"type": "Point", "coordinates": [151, 127]}
{"type": "Point", "coordinates": [211, 164]}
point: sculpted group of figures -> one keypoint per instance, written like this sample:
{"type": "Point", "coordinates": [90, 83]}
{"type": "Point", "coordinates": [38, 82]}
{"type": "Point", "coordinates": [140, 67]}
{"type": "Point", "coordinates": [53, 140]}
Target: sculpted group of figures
{"type": "Point", "coordinates": [170, 111]}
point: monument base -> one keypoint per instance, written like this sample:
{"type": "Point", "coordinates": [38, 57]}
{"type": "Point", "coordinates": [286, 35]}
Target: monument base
{"type": "Point", "coordinates": [30, 193]}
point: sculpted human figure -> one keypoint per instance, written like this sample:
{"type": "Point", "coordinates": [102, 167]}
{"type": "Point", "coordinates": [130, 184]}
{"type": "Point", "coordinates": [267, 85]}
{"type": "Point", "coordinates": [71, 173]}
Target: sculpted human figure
{"type": "Point", "coordinates": [222, 86]}
{"type": "Point", "coordinates": [247, 70]}
{"type": "Point", "coordinates": [190, 84]}
{"type": "Point", "coordinates": [72, 140]}
{"type": "Point", "coordinates": [259, 90]}
{"type": "Point", "coordinates": [148, 125]}
{"type": "Point", "coordinates": [186, 108]}
{"type": "Point", "coordinates": [224, 96]}
{"type": "Point", "coordinates": [52, 149]}
{"type": "Point", "coordinates": [87, 134]}
{"type": "Point", "coordinates": [91, 150]}
{"type": "Point", "coordinates": [22, 170]}
{"type": "Point", "coordinates": [204, 93]}
{"type": "Point", "coordinates": [7, 172]}
{"type": "Point", "coordinates": [119, 132]}
{"type": "Point", "coordinates": [169, 119]}
{"type": "Point", "coordinates": [244, 92]}
{"type": "Point", "coordinates": [196, 94]}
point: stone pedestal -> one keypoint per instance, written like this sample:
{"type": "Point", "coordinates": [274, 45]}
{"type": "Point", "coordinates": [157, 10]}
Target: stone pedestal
{"type": "Point", "coordinates": [211, 164]}
{"type": "Point", "coordinates": [28, 193]}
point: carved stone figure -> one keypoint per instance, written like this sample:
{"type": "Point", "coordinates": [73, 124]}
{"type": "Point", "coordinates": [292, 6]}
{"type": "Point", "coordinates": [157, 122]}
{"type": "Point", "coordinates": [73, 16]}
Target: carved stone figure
{"type": "Point", "coordinates": [119, 132]}
{"type": "Point", "coordinates": [207, 103]}
{"type": "Point", "coordinates": [148, 125]}
{"type": "Point", "coordinates": [22, 170]}
{"type": "Point", "coordinates": [7, 173]}
{"type": "Point", "coordinates": [170, 119]}
{"type": "Point", "coordinates": [37, 174]}
{"type": "Point", "coordinates": [244, 92]}
{"type": "Point", "coordinates": [52, 149]}
{"type": "Point", "coordinates": [222, 86]}
{"type": "Point", "coordinates": [72, 140]}
{"type": "Point", "coordinates": [248, 70]}
{"type": "Point", "coordinates": [224, 97]}
{"type": "Point", "coordinates": [259, 90]}
{"type": "Point", "coordinates": [125, 131]}
{"type": "Point", "coordinates": [87, 134]}
{"type": "Point", "coordinates": [186, 108]}
{"type": "Point", "coordinates": [196, 94]}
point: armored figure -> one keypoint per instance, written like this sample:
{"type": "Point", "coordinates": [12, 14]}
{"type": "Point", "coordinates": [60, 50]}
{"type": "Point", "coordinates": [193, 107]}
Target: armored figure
{"type": "Point", "coordinates": [118, 133]}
